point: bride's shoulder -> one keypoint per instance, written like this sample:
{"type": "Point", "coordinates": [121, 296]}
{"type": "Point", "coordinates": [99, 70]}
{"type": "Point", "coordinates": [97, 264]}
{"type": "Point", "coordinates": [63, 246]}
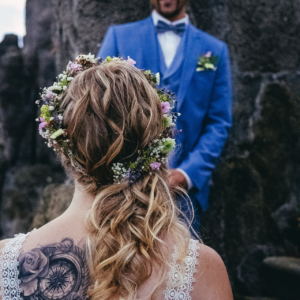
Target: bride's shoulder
{"type": "Point", "coordinates": [3, 243]}
{"type": "Point", "coordinates": [212, 273]}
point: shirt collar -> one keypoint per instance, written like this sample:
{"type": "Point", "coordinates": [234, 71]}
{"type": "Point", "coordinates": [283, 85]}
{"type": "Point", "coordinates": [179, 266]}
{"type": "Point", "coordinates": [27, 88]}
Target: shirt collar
{"type": "Point", "coordinates": [157, 17]}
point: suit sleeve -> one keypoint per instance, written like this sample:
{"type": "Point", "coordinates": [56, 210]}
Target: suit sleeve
{"type": "Point", "coordinates": [202, 160]}
{"type": "Point", "coordinates": [109, 44]}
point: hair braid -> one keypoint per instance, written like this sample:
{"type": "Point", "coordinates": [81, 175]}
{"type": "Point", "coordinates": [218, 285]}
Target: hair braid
{"type": "Point", "coordinates": [111, 111]}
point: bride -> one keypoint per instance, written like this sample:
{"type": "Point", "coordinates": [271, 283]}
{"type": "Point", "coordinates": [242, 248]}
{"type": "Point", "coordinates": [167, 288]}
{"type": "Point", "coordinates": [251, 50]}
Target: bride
{"type": "Point", "coordinates": [122, 236]}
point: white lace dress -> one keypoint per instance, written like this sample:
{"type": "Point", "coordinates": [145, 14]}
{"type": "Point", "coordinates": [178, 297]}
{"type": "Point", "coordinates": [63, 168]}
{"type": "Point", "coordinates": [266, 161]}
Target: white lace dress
{"type": "Point", "coordinates": [181, 276]}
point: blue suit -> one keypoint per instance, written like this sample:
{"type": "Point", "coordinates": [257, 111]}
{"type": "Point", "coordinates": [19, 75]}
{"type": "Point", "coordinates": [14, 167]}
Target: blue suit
{"type": "Point", "coordinates": [204, 98]}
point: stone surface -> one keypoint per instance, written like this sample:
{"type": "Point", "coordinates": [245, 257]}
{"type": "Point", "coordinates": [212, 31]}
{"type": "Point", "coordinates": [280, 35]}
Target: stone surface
{"type": "Point", "coordinates": [283, 277]}
{"type": "Point", "coordinates": [289, 265]}
{"type": "Point", "coordinates": [12, 96]}
{"type": "Point", "coordinates": [54, 201]}
{"type": "Point", "coordinates": [81, 25]}
{"type": "Point", "coordinates": [22, 73]}
{"type": "Point", "coordinates": [238, 297]}
{"type": "Point", "coordinates": [22, 196]}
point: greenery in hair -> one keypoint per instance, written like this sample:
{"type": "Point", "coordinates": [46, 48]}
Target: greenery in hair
{"type": "Point", "coordinates": [52, 129]}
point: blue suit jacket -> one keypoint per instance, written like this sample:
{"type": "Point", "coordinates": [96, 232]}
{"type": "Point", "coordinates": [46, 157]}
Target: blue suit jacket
{"type": "Point", "coordinates": [204, 98]}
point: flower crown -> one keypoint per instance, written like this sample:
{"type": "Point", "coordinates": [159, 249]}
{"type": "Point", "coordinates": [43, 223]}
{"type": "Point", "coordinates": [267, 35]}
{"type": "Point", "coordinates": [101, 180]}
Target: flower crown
{"type": "Point", "coordinates": [51, 125]}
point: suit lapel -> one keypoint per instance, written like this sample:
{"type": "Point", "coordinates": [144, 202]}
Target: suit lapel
{"type": "Point", "coordinates": [150, 47]}
{"type": "Point", "coordinates": [193, 49]}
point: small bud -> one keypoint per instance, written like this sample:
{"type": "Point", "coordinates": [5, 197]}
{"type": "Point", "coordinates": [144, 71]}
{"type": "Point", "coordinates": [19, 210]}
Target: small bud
{"type": "Point", "coordinates": [37, 102]}
{"type": "Point", "coordinates": [37, 119]}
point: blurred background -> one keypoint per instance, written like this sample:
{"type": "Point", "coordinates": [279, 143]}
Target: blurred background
{"type": "Point", "coordinates": [254, 218]}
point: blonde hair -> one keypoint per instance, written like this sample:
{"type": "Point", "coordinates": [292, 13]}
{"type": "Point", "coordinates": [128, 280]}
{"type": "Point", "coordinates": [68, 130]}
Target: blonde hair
{"type": "Point", "coordinates": [111, 112]}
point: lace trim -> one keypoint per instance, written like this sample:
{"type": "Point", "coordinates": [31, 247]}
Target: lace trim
{"type": "Point", "coordinates": [9, 268]}
{"type": "Point", "coordinates": [181, 277]}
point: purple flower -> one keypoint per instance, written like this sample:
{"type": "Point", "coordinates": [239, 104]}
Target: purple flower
{"type": "Point", "coordinates": [208, 54]}
{"type": "Point", "coordinates": [74, 67]}
{"type": "Point", "coordinates": [134, 176]}
{"type": "Point", "coordinates": [165, 107]}
{"type": "Point", "coordinates": [49, 95]}
{"type": "Point", "coordinates": [43, 123]}
{"type": "Point", "coordinates": [131, 61]}
{"type": "Point", "coordinates": [155, 165]}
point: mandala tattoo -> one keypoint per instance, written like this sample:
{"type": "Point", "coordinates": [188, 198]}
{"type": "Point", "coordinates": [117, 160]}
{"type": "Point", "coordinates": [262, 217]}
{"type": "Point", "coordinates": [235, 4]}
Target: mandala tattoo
{"type": "Point", "coordinates": [55, 272]}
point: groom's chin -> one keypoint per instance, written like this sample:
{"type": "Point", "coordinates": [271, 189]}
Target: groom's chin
{"type": "Point", "coordinates": [169, 14]}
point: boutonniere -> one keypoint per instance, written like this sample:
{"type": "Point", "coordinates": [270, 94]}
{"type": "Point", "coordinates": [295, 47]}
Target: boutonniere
{"type": "Point", "coordinates": [207, 62]}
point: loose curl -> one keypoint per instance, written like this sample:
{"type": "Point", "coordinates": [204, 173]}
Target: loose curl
{"type": "Point", "coordinates": [111, 112]}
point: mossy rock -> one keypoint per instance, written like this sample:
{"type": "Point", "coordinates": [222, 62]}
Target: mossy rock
{"type": "Point", "coordinates": [22, 198]}
{"type": "Point", "coordinates": [54, 201]}
{"type": "Point", "coordinates": [33, 176]}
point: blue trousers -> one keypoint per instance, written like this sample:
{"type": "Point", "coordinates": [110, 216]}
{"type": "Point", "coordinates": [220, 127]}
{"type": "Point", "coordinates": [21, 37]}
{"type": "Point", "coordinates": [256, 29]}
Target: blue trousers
{"type": "Point", "coordinates": [191, 213]}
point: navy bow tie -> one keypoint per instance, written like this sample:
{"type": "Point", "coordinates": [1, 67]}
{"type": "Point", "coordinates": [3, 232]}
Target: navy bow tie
{"type": "Point", "coordinates": [162, 27]}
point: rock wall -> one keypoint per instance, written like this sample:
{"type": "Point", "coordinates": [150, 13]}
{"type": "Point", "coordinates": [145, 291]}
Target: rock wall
{"type": "Point", "coordinates": [255, 195]}
{"type": "Point", "coordinates": [22, 152]}
{"type": "Point", "coordinates": [81, 25]}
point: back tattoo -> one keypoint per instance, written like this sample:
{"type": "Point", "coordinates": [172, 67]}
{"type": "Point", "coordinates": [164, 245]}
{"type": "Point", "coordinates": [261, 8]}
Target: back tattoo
{"type": "Point", "coordinates": [56, 271]}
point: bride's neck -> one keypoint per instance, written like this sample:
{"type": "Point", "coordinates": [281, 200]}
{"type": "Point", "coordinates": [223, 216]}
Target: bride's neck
{"type": "Point", "coordinates": [81, 202]}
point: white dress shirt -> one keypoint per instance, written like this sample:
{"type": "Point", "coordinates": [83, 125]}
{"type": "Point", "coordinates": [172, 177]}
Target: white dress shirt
{"type": "Point", "coordinates": [169, 42]}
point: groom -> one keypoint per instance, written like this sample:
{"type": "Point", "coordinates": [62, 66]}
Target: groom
{"type": "Point", "coordinates": [195, 66]}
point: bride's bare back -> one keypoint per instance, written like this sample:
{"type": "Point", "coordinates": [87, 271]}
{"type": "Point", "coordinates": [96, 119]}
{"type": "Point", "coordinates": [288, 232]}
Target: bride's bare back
{"type": "Point", "coordinates": [53, 265]}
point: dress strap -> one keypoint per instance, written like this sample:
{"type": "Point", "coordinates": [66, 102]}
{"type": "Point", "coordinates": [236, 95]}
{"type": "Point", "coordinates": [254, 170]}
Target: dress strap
{"type": "Point", "coordinates": [181, 277]}
{"type": "Point", "coordinates": [9, 268]}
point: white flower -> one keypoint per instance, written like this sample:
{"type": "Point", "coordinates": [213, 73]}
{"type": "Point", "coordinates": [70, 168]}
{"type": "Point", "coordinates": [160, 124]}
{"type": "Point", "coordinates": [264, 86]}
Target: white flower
{"type": "Point", "coordinates": [51, 118]}
{"type": "Point", "coordinates": [51, 107]}
{"type": "Point", "coordinates": [60, 117]}
{"type": "Point", "coordinates": [157, 76]}
{"type": "Point", "coordinates": [64, 76]}
{"type": "Point", "coordinates": [89, 57]}
{"type": "Point", "coordinates": [60, 76]}
{"type": "Point", "coordinates": [69, 78]}
{"type": "Point", "coordinates": [55, 87]}
{"type": "Point", "coordinates": [37, 102]}
{"type": "Point", "coordinates": [64, 88]}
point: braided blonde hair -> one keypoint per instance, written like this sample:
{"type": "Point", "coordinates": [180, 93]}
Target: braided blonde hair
{"type": "Point", "coordinates": [111, 112]}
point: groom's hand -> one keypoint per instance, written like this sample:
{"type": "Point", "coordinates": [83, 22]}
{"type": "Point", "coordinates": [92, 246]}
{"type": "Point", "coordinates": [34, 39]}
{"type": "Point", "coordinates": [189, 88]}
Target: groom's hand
{"type": "Point", "coordinates": [176, 178]}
